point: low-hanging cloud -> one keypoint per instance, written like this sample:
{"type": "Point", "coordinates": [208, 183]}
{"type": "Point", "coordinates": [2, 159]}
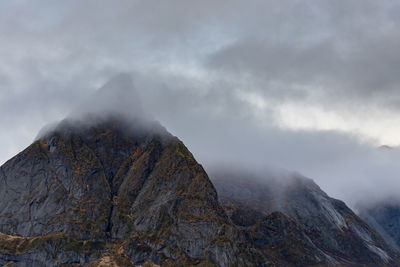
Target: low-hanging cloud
{"type": "Point", "coordinates": [310, 87]}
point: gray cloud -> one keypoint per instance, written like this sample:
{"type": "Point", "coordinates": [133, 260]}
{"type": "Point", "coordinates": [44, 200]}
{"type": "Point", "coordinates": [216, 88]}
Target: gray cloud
{"type": "Point", "coordinates": [218, 74]}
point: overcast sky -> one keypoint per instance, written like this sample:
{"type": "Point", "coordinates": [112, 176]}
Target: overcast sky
{"type": "Point", "coordinates": [311, 86]}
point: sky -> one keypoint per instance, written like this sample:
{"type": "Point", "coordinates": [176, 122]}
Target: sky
{"type": "Point", "coordinates": [310, 86]}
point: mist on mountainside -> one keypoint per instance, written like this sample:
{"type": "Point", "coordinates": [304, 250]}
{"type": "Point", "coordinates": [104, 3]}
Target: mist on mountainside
{"type": "Point", "coordinates": [222, 136]}
{"type": "Point", "coordinates": [303, 87]}
{"type": "Point", "coordinates": [115, 102]}
{"type": "Point", "coordinates": [344, 166]}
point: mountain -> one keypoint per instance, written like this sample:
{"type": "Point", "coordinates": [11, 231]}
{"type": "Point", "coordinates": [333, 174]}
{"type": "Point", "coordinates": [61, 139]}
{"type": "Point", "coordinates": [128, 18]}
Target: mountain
{"type": "Point", "coordinates": [328, 224]}
{"type": "Point", "coordinates": [111, 186]}
{"type": "Point", "coordinates": [105, 185]}
{"type": "Point", "coordinates": [108, 186]}
{"type": "Point", "coordinates": [111, 181]}
{"type": "Point", "coordinates": [128, 192]}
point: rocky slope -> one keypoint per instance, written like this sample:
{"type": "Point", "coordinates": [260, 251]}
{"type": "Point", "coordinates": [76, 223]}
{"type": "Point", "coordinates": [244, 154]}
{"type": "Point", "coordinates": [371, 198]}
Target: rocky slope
{"type": "Point", "coordinates": [328, 223]}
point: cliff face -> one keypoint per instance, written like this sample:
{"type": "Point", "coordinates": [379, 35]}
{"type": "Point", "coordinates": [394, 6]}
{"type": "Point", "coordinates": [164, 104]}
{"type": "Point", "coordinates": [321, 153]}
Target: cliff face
{"type": "Point", "coordinates": [135, 184]}
{"type": "Point", "coordinates": [328, 223]}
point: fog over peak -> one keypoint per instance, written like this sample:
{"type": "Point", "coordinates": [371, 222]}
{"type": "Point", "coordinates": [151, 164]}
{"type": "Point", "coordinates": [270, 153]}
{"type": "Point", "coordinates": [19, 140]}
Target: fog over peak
{"type": "Point", "coordinates": [115, 103]}
{"type": "Point", "coordinates": [116, 96]}
{"type": "Point", "coordinates": [308, 87]}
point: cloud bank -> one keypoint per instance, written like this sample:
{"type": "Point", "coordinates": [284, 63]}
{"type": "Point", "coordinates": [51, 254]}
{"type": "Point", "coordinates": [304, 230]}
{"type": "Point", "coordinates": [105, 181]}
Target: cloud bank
{"type": "Point", "coordinates": [311, 87]}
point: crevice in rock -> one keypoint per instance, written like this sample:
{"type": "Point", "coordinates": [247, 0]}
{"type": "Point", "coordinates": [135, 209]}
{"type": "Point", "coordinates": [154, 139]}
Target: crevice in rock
{"type": "Point", "coordinates": [109, 219]}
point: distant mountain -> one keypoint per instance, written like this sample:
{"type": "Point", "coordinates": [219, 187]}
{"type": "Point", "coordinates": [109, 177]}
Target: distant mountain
{"type": "Point", "coordinates": [328, 224]}
{"type": "Point", "coordinates": [109, 187]}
